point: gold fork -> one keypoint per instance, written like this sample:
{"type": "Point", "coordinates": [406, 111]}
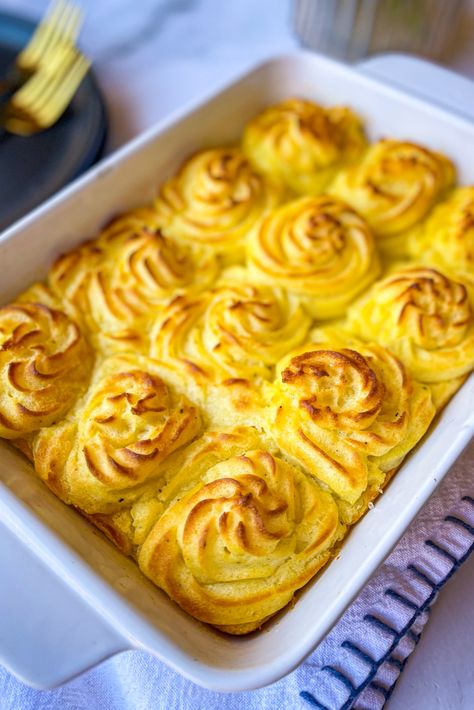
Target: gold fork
{"type": "Point", "coordinates": [42, 100]}
{"type": "Point", "coordinates": [59, 27]}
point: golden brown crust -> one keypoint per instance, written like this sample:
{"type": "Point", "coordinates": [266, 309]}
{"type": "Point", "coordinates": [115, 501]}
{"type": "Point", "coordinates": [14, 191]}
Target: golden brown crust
{"type": "Point", "coordinates": [348, 412]}
{"type": "Point", "coordinates": [394, 187]}
{"type": "Point", "coordinates": [224, 343]}
{"type": "Point", "coordinates": [234, 547]}
{"type": "Point", "coordinates": [446, 237]}
{"type": "Point", "coordinates": [215, 200]}
{"type": "Point", "coordinates": [303, 144]}
{"type": "Point", "coordinates": [24, 445]}
{"type": "Point", "coordinates": [116, 284]}
{"type": "Point", "coordinates": [44, 365]}
{"type": "Point", "coordinates": [107, 524]}
{"type": "Point", "coordinates": [426, 318]}
{"type": "Point", "coordinates": [130, 421]}
{"type": "Point", "coordinates": [317, 248]}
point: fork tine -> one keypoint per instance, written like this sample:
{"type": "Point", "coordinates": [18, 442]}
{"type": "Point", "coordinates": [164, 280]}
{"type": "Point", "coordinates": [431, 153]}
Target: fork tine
{"type": "Point", "coordinates": [57, 53]}
{"type": "Point", "coordinates": [70, 23]}
{"type": "Point", "coordinates": [43, 82]}
{"type": "Point", "coordinates": [41, 35]}
{"type": "Point", "coordinates": [65, 29]}
{"type": "Point", "coordinates": [61, 99]}
{"type": "Point", "coordinates": [43, 99]}
{"type": "Point", "coordinates": [74, 24]}
{"type": "Point", "coordinates": [61, 24]}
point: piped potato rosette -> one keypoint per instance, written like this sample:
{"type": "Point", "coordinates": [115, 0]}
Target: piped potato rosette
{"type": "Point", "coordinates": [215, 200]}
{"type": "Point", "coordinates": [129, 526]}
{"type": "Point", "coordinates": [446, 238]}
{"type": "Point", "coordinates": [303, 144]}
{"type": "Point", "coordinates": [45, 365]}
{"type": "Point", "coordinates": [101, 458]}
{"type": "Point", "coordinates": [69, 275]}
{"type": "Point", "coordinates": [394, 187]}
{"type": "Point", "coordinates": [425, 318]}
{"type": "Point", "coordinates": [116, 283]}
{"type": "Point", "coordinates": [229, 337]}
{"type": "Point", "coordinates": [348, 412]}
{"type": "Point", "coordinates": [318, 248]}
{"type": "Point", "coordinates": [133, 280]}
{"type": "Point", "coordinates": [244, 535]}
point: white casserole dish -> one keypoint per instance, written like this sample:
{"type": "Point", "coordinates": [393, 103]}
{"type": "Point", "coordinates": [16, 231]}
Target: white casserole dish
{"type": "Point", "coordinates": [68, 598]}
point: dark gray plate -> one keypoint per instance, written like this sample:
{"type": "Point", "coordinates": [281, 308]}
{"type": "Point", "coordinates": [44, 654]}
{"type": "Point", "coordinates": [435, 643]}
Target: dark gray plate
{"type": "Point", "coordinates": [33, 168]}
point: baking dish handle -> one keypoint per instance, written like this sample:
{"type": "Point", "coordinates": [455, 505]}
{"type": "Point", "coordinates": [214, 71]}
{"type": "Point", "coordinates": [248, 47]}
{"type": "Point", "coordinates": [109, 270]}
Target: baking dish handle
{"type": "Point", "coordinates": [74, 636]}
{"type": "Point", "coordinates": [424, 79]}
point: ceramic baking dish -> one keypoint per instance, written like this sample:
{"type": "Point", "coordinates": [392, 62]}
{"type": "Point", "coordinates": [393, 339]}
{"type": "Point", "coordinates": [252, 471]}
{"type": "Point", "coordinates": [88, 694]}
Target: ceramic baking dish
{"type": "Point", "coordinates": [68, 598]}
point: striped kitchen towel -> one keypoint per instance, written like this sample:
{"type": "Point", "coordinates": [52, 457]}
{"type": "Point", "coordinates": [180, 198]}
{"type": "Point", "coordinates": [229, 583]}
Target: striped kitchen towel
{"type": "Point", "coordinates": [356, 666]}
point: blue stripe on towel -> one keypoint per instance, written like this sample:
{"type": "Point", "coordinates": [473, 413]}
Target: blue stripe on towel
{"type": "Point", "coordinates": [358, 652]}
{"type": "Point", "coordinates": [396, 662]}
{"type": "Point", "coordinates": [406, 628]}
{"type": "Point", "coordinates": [400, 598]}
{"type": "Point", "coordinates": [381, 689]}
{"type": "Point", "coordinates": [380, 624]}
{"type": "Point", "coordinates": [441, 550]}
{"type": "Point", "coordinates": [354, 691]}
{"type": "Point", "coordinates": [421, 575]}
{"type": "Point", "coordinates": [461, 523]}
{"type": "Point", "coordinates": [415, 637]}
{"type": "Point", "coordinates": [312, 700]}
{"type": "Point", "coordinates": [340, 676]}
